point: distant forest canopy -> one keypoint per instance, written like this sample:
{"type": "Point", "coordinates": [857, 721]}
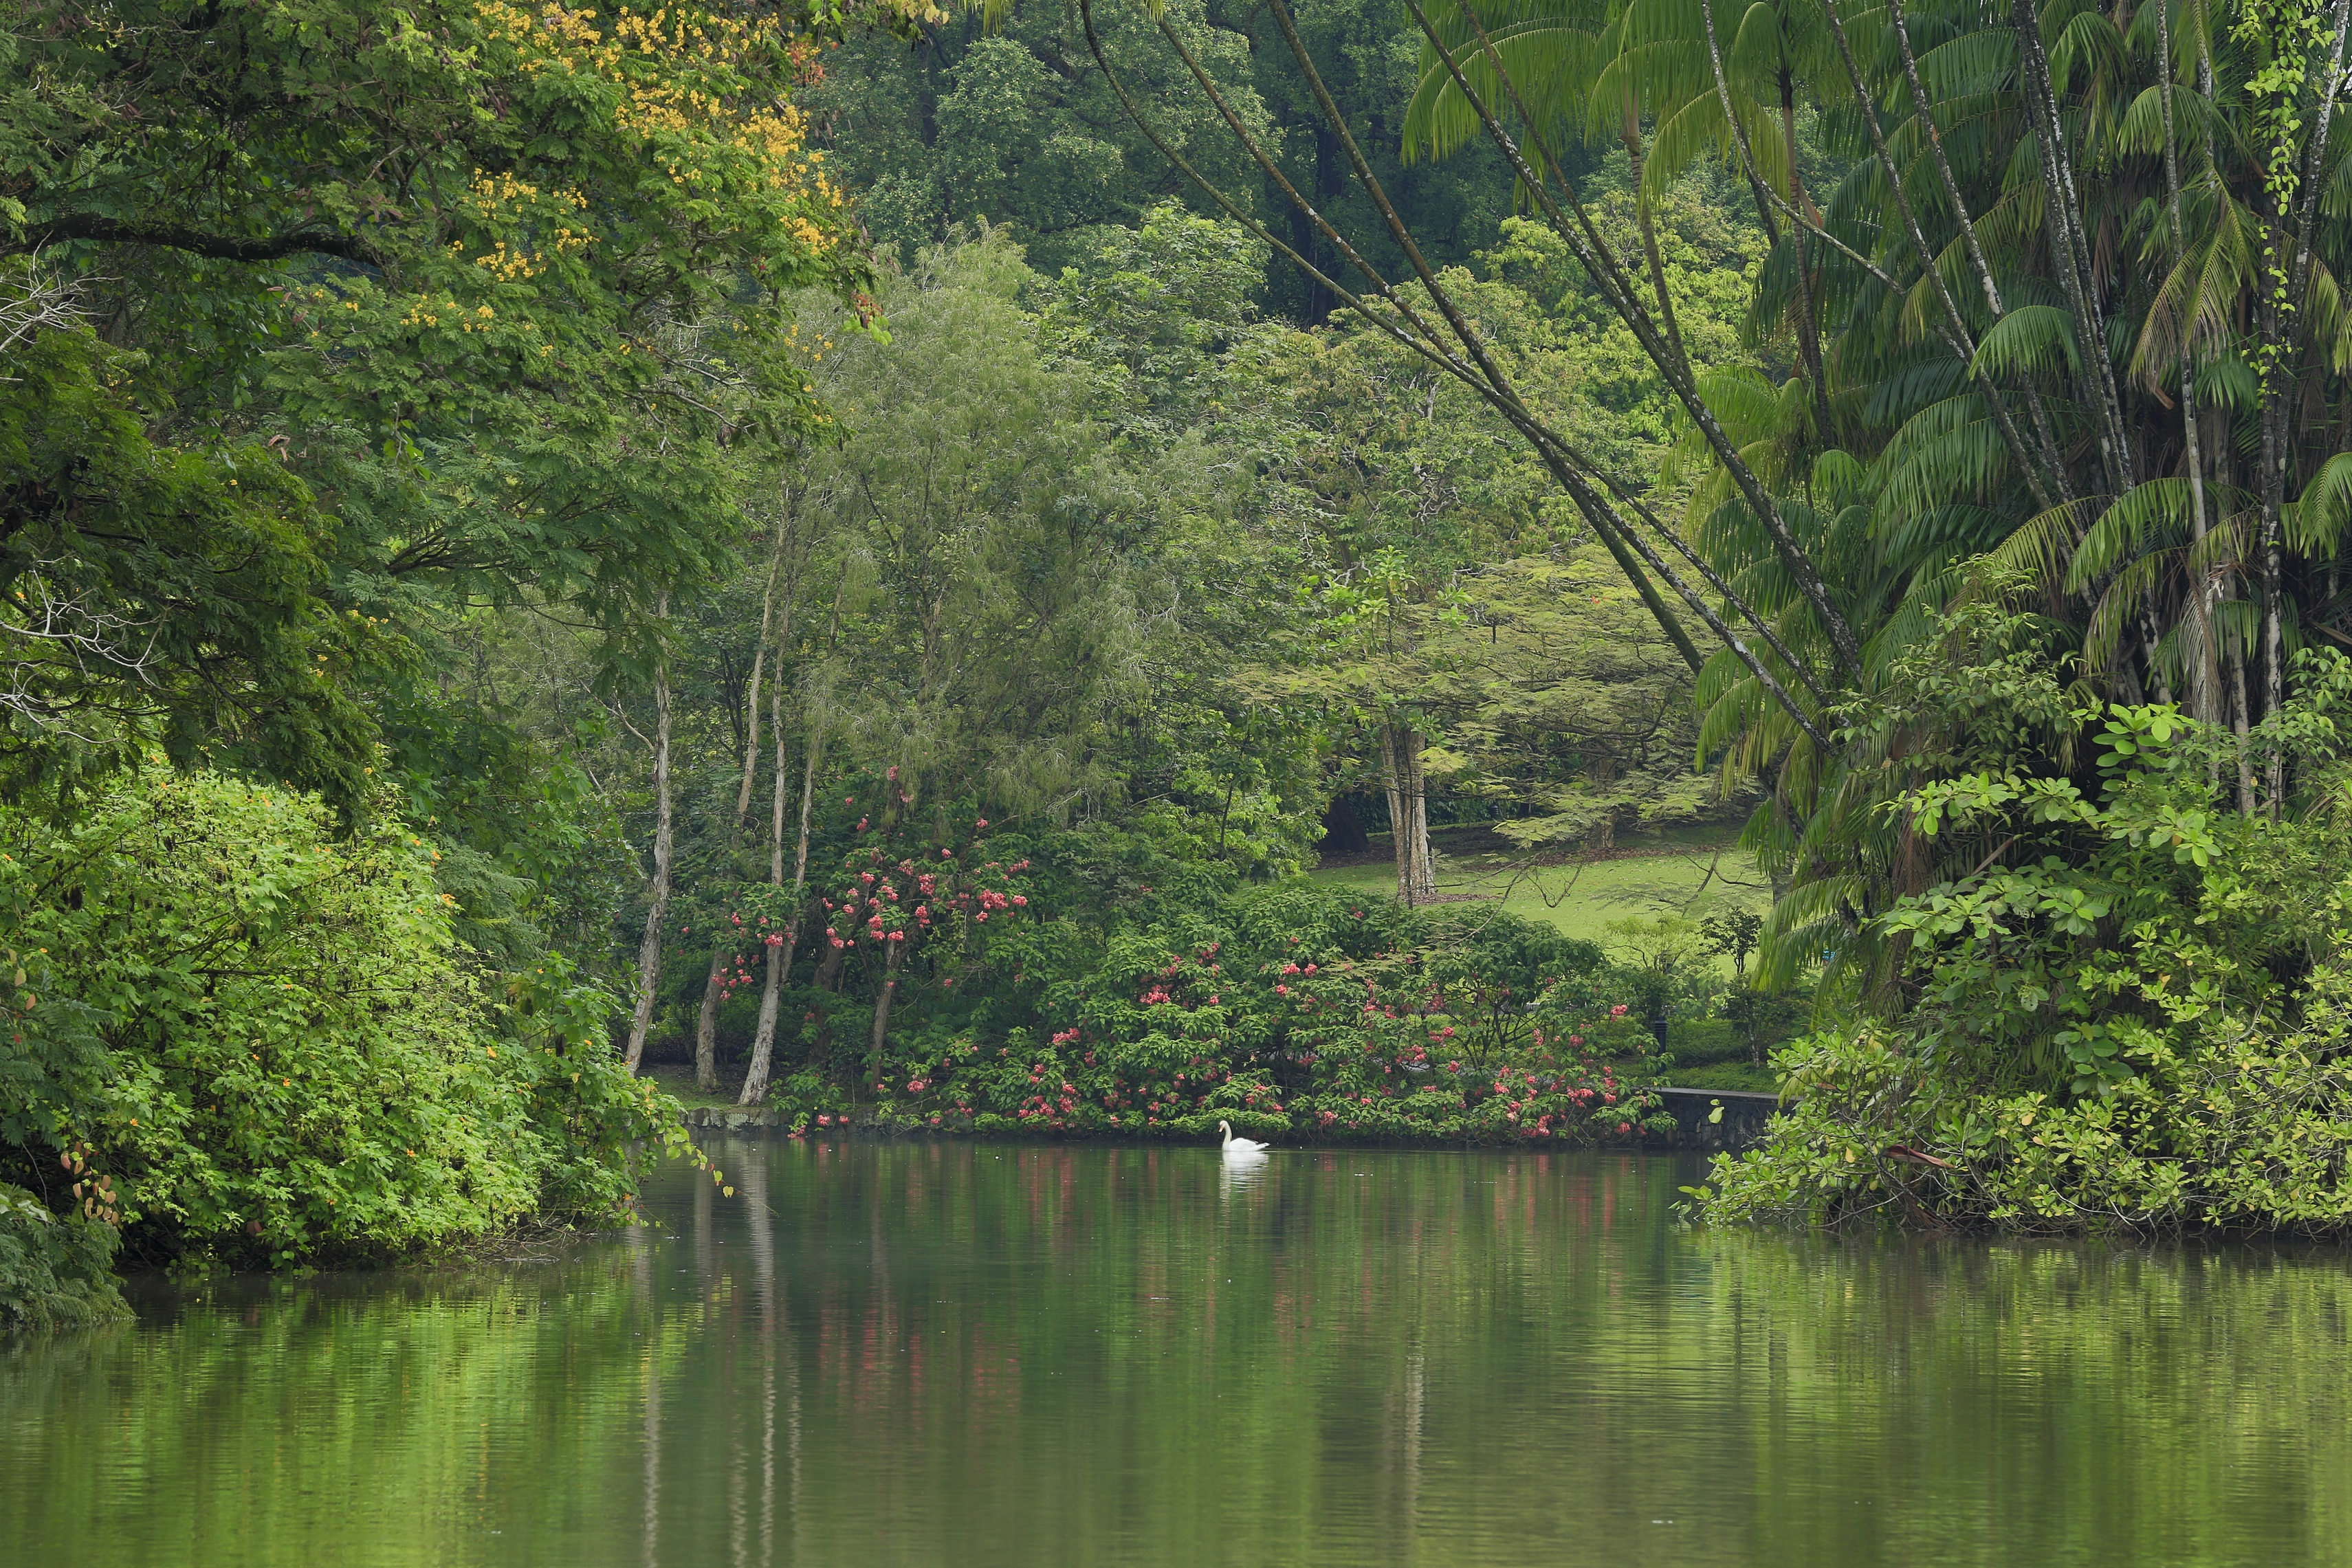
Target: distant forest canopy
{"type": "Point", "coordinates": [1014, 123]}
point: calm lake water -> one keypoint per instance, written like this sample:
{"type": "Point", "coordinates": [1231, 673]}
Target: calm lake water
{"type": "Point", "coordinates": [961, 1354]}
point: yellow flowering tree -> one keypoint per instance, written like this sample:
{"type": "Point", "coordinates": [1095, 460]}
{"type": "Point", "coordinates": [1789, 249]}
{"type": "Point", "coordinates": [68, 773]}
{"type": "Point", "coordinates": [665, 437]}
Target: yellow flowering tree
{"type": "Point", "coordinates": [500, 293]}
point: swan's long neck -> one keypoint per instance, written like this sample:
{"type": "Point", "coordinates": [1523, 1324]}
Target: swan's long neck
{"type": "Point", "coordinates": [1227, 1129]}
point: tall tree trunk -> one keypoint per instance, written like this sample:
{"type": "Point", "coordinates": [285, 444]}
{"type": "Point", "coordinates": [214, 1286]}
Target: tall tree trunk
{"type": "Point", "coordinates": [1424, 860]}
{"type": "Point", "coordinates": [780, 956]}
{"type": "Point", "coordinates": [1408, 814]}
{"type": "Point", "coordinates": [1400, 831]}
{"type": "Point", "coordinates": [2070, 247]}
{"type": "Point", "coordinates": [2239, 724]}
{"type": "Point", "coordinates": [778, 944]}
{"type": "Point", "coordinates": [891, 953]}
{"type": "Point", "coordinates": [657, 910]}
{"type": "Point", "coordinates": [706, 1023]}
{"type": "Point", "coordinates": [2198, 659]}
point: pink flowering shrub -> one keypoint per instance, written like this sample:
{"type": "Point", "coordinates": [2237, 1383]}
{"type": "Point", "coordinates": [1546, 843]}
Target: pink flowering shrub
{"type": "Point", "coordinates": [1300, 1016]}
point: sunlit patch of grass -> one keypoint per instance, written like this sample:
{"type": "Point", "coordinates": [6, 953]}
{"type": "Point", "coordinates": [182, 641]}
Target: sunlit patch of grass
{"type": "Point", "coordinates": [1690, 872]}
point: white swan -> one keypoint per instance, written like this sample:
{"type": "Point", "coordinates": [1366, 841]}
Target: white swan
{"type": "Point", "coordinates": [1240, 1148]}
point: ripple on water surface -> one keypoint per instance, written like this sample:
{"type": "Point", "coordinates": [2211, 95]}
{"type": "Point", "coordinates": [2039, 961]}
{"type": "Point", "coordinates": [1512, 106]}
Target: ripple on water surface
{"type": "Point", "coordinates": [1045, 1357]}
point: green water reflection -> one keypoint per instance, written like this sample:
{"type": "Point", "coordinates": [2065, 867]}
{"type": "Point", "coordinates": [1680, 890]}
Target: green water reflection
{"type": "Point", "coordinates": [951, 1355]}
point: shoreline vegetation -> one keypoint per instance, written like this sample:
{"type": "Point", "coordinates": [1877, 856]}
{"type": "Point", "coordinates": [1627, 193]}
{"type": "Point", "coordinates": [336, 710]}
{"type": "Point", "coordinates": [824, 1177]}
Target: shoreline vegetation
{"type": "Point", "coordinates": [1391, 575]}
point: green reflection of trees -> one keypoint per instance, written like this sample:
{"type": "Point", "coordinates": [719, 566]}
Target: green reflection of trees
{"type": "Point", "coordinates": [977, 1353]}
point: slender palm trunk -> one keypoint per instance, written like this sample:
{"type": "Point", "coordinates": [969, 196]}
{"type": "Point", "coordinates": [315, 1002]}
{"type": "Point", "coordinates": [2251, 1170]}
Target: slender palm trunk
{"type": "Point", "coordinates": [1809, 342]}
{"type": "Point", "coordinates": [2070, 247]}
{"type": "Point", "coordinates": [2198, 660]}
{"type": "Point", "coordinates": [657, 908]}
{"type": "Point", "coordinates": [1629, 131]}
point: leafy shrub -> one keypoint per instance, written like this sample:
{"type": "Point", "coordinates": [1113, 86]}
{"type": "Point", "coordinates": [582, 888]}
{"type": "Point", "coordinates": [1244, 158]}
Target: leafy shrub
{"type": "Point", "coordinates": [1294, 1010]}
{"type": "Point", "coordinates": [2145, 1031]}
{"type": "Point", "coordinates": [1694, 1042]}
{"type": "Point", "coordinates": [264, 1042]}
{"type": "Point", "coordinates": [55, 1272]}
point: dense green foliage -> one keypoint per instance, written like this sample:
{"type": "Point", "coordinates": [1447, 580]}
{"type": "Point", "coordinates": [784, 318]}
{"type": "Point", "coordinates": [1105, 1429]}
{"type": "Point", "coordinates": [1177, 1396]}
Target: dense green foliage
{"type": "Point", "coordinates": [790, 520]}
{"type": "Point", "coordinates": [267, 1045]}
{"type": "Point", "coordinates": [2052, 332]}
{"type": "Point", "coordinates": [1286, 1012]}
{"type": "Point", "coordinates": [2140, 1023]}
{"type": "Point", "coordinates": [327, 330]}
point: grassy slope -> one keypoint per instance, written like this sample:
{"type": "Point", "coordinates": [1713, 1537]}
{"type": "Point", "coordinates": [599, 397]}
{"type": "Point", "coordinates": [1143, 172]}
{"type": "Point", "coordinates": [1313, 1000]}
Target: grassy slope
{"type": "Point", "coordinates": [1689, 872]}
{"type": "Point", "coordinates": [1684, 871]}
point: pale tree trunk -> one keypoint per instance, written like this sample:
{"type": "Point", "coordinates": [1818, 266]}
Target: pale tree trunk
{"type": "Point", "coordinates": [722, 946]}
{"type": "Point", "coordinates": [780, 955]}
{"type": "Point", "coordinates": [1400, 834]}
{"type": "Point", "coordinates": [658, 910]}
{"type": "Point", "coordinates": [1424, 862]}
{"type": "Point", "coordinates": [1408, 814]}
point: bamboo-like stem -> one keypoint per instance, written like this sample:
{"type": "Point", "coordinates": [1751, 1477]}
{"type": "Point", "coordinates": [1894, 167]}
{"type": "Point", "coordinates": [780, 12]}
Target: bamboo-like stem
{"type": "Point", "coordinates": [1585, 239]}
{"type": "Point", "coordinates": [2203, 676]}
{"type": "Point", "coordinates": [2051, 456]}
{"type": "Point", "coordinates": [1955, 327]}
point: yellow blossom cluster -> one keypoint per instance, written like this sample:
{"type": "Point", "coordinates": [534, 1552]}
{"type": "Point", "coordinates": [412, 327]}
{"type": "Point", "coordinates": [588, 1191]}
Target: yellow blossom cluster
{"type": "Point", "coordinates": [503, 200]}
{"type": "Point", "coordinates": [507, 266]}
{"type": "Point", "coordinates": [683, 88]}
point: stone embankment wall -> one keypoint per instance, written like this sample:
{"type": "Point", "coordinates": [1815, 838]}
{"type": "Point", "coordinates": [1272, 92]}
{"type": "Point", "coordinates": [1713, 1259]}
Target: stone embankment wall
{"type": "Point", "coordinates": [1740, 1125]}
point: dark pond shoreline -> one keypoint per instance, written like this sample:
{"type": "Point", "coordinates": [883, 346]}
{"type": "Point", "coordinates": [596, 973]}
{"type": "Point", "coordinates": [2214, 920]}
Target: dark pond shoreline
{"type": "Point", "coordinates": [1740, 1125]}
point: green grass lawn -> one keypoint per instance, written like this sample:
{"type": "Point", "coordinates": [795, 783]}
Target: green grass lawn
{"type": "Point", "coordinates": [1690, 872]}
{"type": "Point", "coordinates": [1739, 1075]}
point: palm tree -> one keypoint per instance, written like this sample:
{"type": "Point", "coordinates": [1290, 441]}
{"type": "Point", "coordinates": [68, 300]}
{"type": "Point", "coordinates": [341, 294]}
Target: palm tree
{"type": "Point", "coordinates": [2070, 337]}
